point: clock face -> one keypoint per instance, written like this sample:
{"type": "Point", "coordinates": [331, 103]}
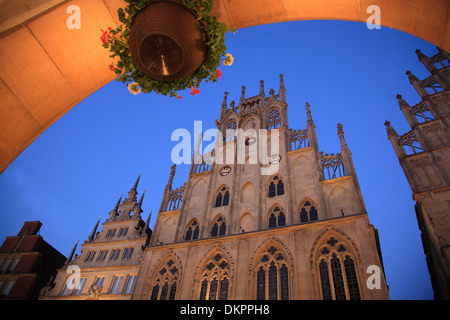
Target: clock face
{"type": "Point", "coordinates": [274, 159]}
{"type": "Point", "coordinates": [224, 171]}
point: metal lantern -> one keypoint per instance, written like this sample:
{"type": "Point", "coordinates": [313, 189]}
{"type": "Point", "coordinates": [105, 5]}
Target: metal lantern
{"type": "Point", "coordinates": [167, 41]}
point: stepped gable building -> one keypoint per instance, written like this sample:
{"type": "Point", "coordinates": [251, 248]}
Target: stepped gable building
{"type": "Point", "coordinates": [424, 155]}
{"type": "Point", "coordinates": [109, 262]}
{"type": "Point", "coordinates": [286, 223]}
{"type": "Point", "coordinates": [27, 263]}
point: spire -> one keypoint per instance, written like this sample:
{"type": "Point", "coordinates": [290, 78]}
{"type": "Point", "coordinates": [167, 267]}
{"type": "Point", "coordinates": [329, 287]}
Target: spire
{"type": "Point", "coordinates": [172, 174]}
{"type": "Point", "coordinates": [223, 108]}
{"type": "Point", "coordinates": [92, 235]}
{"type": "Point", "coordinates": [308, 113]}
{"type": "Point", "coordinates": [113, 213]}
{"type": "Point", "coordinates": [390, 130]}
{"type": "Point", "coordinates": [282, 90]}
{"type": "Point", "coordinates": [148, 221]}
{"type": "Point", "coordinates": [340, 133]}
{"type": "Point", "coordinates": [71, 253]}
{"type": "Point", "coordinates": [242, 96]}
{"type": "Point", "coordinates": [165, 199]}
{"type": "Point", "coordinates": [261, 88]}
{"type": "Point", "coordinates": [406, 109]}
{"type": "Point", "coordinates": [197, 156]}
{"type": "Point", "coordinates": [393, 137]}
{"type": "Point", "coordinates": [136, 183]}
{"type": "Point", "coordinates": [417, 84]}
{"type": "Point", "coordinates": [137, 210]}
{"type": "Point", "coordinates": [349, 167]}
{"type": "Point", "coordinates": [141, 199]}
{"type": "Point", "coordinates": [133, 192]}
{"type": "Point", "coordinates": [426, 61]}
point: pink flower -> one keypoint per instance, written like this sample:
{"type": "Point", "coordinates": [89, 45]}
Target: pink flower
{"type": "Point", "coordinates": [218, 74]}
{"type": "Point", "coordinates": [194, 91]}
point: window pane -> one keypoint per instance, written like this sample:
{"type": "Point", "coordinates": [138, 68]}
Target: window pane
{"type": "Point", "coordinates": [324, 280]}
{"type": "Point", "coordinates": [313, 214]}
{"type": "Point", "coordinates": [223, 229]}
{"type": "Point", "coordinates": [215, 230]}
{"type": "Point", "coordinates": [155, 292]}
{"type": "Point", "coordinates": [99, 281]}
{"type": "Point", "coordinates": [173, 291]}
{"type": "Point", "coordinates": [130, 284]}
{"type": "Point", "coordinates": [280, 188]}
{"type": "Point", "coordinates": [188, 234]}
{"type": "Point", "coordinates": [213, 289]}
{"type": "Point", "coordinates": [338, 282]}
{"type": "Point", "coordinates": [80, 286]}
{"type": "Point", "coordinates": [281, 219]}
{"type": "Point", "coordinates": [196, 232]}
{"type": "Point", "coordinates": [272, 189]}
{"type": "Point", "coordinates": [272, 221]}
{"type": "Point", "coordinates": [273, 284]}
{"type": "Point", "coordinates": [164, 290]}
{"type": "Point", "coordinates": [224, 289]}
{"type": "Point", "coordinates": [226, 198]}
{"type": "Point", "coordinates": [284, 279]}
{"type": "Point", "coordinates": [352, 280]}
{"type": "Point", "coordinates": [219, 200]}
{"type": "Point", "coordinates": [303, 215]}
{"type": "Point", "coordinates": [117, 282]}
{"type": "Point", "coordinates": [203, 289]}
{"type": "Point", "coordinates": [261, 283]}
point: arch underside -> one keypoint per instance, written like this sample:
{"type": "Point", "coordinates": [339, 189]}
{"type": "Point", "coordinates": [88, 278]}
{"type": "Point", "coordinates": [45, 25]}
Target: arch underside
{"type": "Point", "coordinates": [72, 64]}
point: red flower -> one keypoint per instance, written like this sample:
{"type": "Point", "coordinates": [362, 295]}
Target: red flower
{"type": "Point", "coordinates": [218, 74]}
{"type": "Point", "coordinates": [194, 91]}
{"type": "Point", "coordinates": [179, 97]}
{"type": "Point", "coordinates": [111, 67]}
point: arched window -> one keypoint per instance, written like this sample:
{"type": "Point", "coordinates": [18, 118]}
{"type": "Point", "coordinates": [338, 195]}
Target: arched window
{"type": "Point", "coordinates": [215, 278]}
{"type": "Point", "coordinates": [276, 186]}
{"type": "Point", "coordinates": [338, 279]}
{"type": "Point", "coordinates": [277, 217]}
{"type": "Point", "coordinates": [272, 276]}
{"type": "Point", "coordinates": [223, 197]}
{"type": "Point", "coordinates": [165, 282]}
{"type": "Point", "coordinates": [219, 227]}
{"type": "Point", "coordinates": [308, 212]}
{"type": "Point", "coordinates": [274, 120]}
{"type": "Point", "coordinates": [192, 231]}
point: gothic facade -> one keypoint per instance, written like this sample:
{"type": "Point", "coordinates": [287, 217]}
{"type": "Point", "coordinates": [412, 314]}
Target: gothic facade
{"type": "Point", "coordinates": [264, 215]}
{"type": "Point", "coordinates": [424, 155]}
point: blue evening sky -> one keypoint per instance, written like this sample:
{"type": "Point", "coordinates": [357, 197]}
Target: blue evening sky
{"type": "Point", "coordinates": [76, 170]}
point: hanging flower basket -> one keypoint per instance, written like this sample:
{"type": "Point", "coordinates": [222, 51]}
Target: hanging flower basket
{"type": "Point", "coordinates": [167, 46]}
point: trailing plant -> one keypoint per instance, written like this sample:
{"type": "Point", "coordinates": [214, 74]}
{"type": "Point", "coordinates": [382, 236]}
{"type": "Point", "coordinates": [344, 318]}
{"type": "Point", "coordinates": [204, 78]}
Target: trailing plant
{"type": "Point", "coordinates": [116, 40]}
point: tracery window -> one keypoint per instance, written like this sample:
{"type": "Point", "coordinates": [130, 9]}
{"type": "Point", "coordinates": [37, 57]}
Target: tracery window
{"type": "Point", "coordinates": [223, 197]}
{"type": "Point", "coordinates": [308, 212]}
{"type": "Point", "coordinates": [215, 278]}
{"type": "Point", "coordinates": [192, 231]}
{"type": "Point", "coordinates": [274, 120]}
{"type": "Point", "coordinates": [219, 228]}
{"type": "Point", "coordinates": [277, 217]}
{"type": "Point", "coordinates": [337, 271]}
{"type": "Point", "coordinates": [272, 276]}
{"type": "Point", "coordinates": [165, 283]}
{"type": "Point", "coordinates": [276, 186]}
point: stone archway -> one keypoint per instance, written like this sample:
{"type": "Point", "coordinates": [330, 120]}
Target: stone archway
{"type": "Point", "coordinates": [47, 68]}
